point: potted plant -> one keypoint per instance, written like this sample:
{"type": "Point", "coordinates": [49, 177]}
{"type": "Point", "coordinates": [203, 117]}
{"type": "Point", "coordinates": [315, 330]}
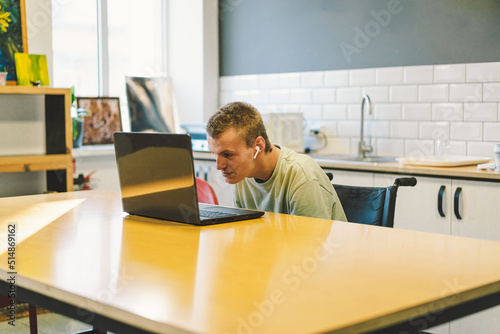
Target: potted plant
{"type": "Point", "coordinates": [77, 115]}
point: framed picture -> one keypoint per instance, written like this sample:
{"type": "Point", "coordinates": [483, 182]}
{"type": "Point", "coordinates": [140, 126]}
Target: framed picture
{"type": "Point", "coordinates": [13, 36]}
{"type": "Point", "coordinates": [102, 120]}
{"type": "Point", "coordinates": [31, 70]}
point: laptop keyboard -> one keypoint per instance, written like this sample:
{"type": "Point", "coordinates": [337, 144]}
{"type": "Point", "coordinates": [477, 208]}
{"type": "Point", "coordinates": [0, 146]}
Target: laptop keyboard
{"type": "Point", "coordinates": [215, 214]}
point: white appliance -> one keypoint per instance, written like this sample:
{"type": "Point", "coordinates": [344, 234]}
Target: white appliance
{"type": "Point", "coordinates": [285, 129]}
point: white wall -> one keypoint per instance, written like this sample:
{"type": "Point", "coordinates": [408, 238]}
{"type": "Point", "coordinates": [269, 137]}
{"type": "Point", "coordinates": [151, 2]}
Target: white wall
{"type": "Point", "coordinates": [39, 29]}
{"type": "Point", "coordinates": [193, 57]}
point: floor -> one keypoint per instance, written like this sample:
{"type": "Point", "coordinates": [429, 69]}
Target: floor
{"type": "Point", "coordinates": [48, 323]}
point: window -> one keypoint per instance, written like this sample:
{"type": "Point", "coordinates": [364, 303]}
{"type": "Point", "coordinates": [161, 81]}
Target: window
{"type": "Point", "coordinates": [75, 46]}
{"type": "Point", "coordinates": [97, 43]}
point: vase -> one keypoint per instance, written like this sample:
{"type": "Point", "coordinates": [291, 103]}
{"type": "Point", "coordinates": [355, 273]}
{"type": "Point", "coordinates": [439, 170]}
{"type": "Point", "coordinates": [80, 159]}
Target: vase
{"type": "Point", "coordinates": [77, 132]}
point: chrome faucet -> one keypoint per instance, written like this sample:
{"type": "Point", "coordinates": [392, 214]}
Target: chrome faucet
{"type": "Point", "coordinates": [363, 148]}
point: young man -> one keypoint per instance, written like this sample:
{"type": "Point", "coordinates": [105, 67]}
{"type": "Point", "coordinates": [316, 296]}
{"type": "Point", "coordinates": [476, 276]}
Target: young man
{"type": "Point", "coordinates": [268, 177]}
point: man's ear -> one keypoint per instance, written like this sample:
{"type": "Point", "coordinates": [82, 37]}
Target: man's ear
{"type": "Point", "coordinates": [260, 143]}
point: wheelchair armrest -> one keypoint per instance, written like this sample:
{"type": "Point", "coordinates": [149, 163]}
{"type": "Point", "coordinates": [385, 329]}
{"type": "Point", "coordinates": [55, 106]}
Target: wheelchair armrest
{"type": "Point", "coordinates": [405, 182]}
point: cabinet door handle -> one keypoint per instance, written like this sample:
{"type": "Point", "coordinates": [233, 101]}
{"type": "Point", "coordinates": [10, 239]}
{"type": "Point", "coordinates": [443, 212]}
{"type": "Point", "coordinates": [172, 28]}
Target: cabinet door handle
{"type": "Point", "coordinates": [198, 170]}
{"type": "Point", "coordinates": [456, 201]}
{"type": "Point", "coordinates": [440, 201]}
{"type": "Point", "coordinates": [207, 171]}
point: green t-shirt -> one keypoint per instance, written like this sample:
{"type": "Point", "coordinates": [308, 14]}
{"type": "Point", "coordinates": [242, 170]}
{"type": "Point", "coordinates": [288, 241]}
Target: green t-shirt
{"type": "Point", "coordinates": [298, 186]}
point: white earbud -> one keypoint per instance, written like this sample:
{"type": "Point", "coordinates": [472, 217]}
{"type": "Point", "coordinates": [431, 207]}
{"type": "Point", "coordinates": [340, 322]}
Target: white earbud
{"type": "Point", "coordinates": [258, 150]}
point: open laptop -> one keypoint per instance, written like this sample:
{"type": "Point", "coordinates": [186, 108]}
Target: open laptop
{"type": "Point", "coordinates": [157, 180]}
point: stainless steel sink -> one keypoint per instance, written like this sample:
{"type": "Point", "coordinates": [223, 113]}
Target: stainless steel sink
{"type": "Point", "coordinates": [353, 158]}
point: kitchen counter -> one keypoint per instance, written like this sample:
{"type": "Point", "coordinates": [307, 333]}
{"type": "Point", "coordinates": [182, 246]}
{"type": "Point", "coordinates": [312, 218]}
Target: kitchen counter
{"type": "Point", "coordinates": [465, 172]}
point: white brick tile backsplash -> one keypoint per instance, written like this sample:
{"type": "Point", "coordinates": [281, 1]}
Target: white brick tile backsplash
{"type": "Point", "coordinates": [404, 129]}
{"type": "Point", "coordinates": [434, 130]}
{"type": "Point", "coordinates": [480, 149]}
{"type": "Point", "coordinates": [377, 94]}
{"type": "Point", "coordinates": [417, 148]}
{"type": "Point", "coordinates": [482, 72]}
{"type": "Point", "coordinates": [416, 111]}
{"type": "Point", "coordinates": [433, 93]}
{"type": "Point", "coordinates": [312, 111]}
{"type": "Point", "coordinates": [419, 75]}
{"type": "Point", "coordinates": [335, 111]}
{"type": "Point", "coordinates": [300, 95]}
{"type": "Point", "coordinates": [389, 76]}
{"type": "Point", "coordinates": [267, 108]}
{"type": "Point", "coordinates": [413, 106]}
{"type": "Point", "coordinates": [329, 128]}
{"type": "Point", "coordinates": [242, 82]}
{"type": "Point", "coordinates": [338, 145]}
{"type": "Point", "coordinates": [449, 73]}
{"type": "Point", "coordinates": [354, 112]}
{"type": "Point", "coordinates": [318, 124]}
{"type": "Point", "coordinates": [268, 81]}
{"type": "Point", "coordinates": [491, 92]}
{"type": "Point", "coordinates": [288, 108]}
{"type": "Point", "coordinates": [311, 79]}
{"type": "Point", "coordinates": [466, 131]}
{"type": "Point", "coordinates": [377, 129]}
{"type": "Point", "coordinates": [404, 93]}
{"type": "Point", "coordinates": [336, 78]}
{"type": "Point", "coordinates": [480, 112]}
{"type": "Point", "coordinates": [458, 147]}
{"type": "Point", "coordinates": [289, 80]}
{"type": "Point", "coordinates": [323, 95]}
{"type": "Point", "coordinates": [363, 77]}
{"type": "Point", "coordinates": [353, 145]}
{"type": "Point", "coordinates": [279, 96]}
{"type": "Point", "coordinates": [387, 111]}
{"type": "Point", "coordinates": [491, 132]}
{"type": "Point", "coordinates": [240, 95]}
{"type": "Point", "coordinates": [466, 92]}
{"type": "Point", "coordinates": [348, 128]}
{"type": "Point", "coordinates": [349, 95]}
{"type": "Point", "coordinates": [390, 147]}
{"type": "Point", "coordinates": [447, 111]}
{"type": "Point", "coordinates": [257, 97]}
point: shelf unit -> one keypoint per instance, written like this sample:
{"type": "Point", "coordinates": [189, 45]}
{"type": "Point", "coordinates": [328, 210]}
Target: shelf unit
{"type": "Point", "coordinates": [57, 160]}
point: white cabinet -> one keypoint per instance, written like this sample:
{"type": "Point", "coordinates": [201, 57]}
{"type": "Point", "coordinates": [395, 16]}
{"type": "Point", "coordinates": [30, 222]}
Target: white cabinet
{"type": "Point", "coordinates": [478, 209]}
{"type": "Point", "coordinates": [417, 207]}
{"type": "Point", "coordinates": [480, 220]}
{"type": "Point", "coordinates": [447, 206]}
{"type": "Point", "coordinates": [206, 170]}
{"type": "Point", "coordinates": [466, 209]}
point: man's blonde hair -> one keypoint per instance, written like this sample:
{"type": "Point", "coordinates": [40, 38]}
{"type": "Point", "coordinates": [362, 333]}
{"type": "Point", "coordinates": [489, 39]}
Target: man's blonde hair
{"type": "Point", "coordinates": [244, 118]}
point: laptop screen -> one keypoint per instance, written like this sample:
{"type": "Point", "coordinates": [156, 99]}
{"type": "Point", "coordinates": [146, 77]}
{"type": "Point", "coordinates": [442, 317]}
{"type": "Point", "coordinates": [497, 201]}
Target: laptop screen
{"type": "Point", "coordinates": [157, 176]}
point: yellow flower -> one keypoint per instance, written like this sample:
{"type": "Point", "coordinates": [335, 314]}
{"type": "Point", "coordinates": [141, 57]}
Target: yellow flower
{"type": "Point", "coordinates": [4, 20]}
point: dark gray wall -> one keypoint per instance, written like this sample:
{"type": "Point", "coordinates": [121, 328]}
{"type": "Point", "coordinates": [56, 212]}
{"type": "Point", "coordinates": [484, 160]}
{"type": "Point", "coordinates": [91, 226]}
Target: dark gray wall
{"type": "Point", "coordinates": [279, 36]}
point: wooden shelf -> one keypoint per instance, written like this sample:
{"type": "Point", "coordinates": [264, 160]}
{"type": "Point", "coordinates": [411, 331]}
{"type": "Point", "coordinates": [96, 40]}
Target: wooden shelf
{"type": "Point", "coordinates": [58, 138]}
{"type": "Point", "coordinates": [26, 90]}
{"type": "Point", "coordinates": [35, 163]}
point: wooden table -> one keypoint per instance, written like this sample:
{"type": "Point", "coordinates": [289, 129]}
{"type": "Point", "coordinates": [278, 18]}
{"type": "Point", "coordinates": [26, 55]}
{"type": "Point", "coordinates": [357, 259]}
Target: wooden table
{"type": "Point", "coordinates": [79, 255]}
